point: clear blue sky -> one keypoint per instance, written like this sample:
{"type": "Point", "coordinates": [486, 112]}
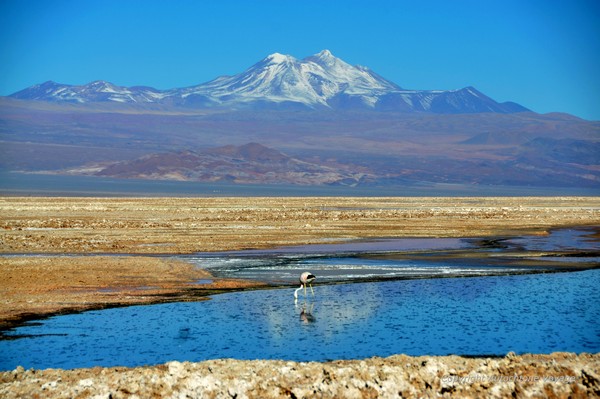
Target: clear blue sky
{"type": "Point", "coordinates": [543, 54]}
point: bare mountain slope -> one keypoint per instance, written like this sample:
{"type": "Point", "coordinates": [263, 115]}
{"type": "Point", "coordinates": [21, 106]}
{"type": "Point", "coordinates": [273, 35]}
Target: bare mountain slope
{"type": "Point", "coordinates": [249, 163]}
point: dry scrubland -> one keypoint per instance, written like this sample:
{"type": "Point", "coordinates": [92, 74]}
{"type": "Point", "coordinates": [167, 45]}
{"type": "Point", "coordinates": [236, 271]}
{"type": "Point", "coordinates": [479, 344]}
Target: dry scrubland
{"type": "Point", "coordinates": [33, 286]}
{"type": "Point", "coordinates": [184, 225]}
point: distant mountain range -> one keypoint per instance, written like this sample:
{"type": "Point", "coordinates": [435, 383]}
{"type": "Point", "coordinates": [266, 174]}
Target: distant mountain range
{"type": "Point", "coordinates": [321, 81]}
{"type": "Point", "coordinates": [315, 121]}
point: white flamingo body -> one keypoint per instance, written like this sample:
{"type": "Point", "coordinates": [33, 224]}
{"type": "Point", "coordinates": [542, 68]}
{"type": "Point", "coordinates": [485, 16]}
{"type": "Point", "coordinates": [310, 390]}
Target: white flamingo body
{"type": "Point", "coordinates": [305, 278]}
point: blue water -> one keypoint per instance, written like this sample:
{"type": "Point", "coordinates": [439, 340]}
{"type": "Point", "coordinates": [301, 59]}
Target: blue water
{"type": "Point", "coordinates": [491, 315]}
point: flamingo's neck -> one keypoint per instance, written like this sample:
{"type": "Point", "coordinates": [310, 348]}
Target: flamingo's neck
{"type": "Point", "coordinates": [296, 292]}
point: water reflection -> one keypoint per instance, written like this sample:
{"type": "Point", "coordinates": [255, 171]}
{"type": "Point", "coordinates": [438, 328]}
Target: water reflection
{"type": "Point", "coordinates": [577, 239]}
{"type": "Point", "coordinates": [306, 312]}
{"type": "Point", "coordinates": [184, 333]}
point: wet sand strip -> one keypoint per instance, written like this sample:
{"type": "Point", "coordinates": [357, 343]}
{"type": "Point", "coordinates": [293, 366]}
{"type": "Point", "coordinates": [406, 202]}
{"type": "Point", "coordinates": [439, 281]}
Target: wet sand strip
{"type": "Point", "coordinates": [34, 287]}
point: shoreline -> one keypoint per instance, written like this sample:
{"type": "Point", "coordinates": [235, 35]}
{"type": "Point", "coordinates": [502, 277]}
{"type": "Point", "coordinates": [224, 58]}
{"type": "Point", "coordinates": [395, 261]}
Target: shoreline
{"type": "Point", "coordinates": [127, 285]}
{"type": "Point", "coordinates": [87, 228]}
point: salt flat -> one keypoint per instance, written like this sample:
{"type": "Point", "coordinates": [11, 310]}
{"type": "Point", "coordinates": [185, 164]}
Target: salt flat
{"type": "Point", "coordinates": [188, 225]}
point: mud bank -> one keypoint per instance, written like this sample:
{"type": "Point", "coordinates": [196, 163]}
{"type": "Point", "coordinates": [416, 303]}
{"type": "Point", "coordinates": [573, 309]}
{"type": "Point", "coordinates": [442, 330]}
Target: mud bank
{"type": "Point", "coordinates": [34, 287]}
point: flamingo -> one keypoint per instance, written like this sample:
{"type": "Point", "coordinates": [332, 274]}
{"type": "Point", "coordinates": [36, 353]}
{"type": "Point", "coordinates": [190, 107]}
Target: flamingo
{"type": "Point", "coordinates": [305, 278]}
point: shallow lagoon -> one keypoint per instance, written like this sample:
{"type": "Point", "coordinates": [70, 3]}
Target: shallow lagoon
{"type": "Point", "coordinates": [491, 309]}
{"type": "Point", "coordinates": [489, 315]}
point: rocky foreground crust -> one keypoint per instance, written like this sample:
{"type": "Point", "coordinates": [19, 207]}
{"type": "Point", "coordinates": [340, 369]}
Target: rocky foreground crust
{"type": "Point", "coordinates": [559, 375]}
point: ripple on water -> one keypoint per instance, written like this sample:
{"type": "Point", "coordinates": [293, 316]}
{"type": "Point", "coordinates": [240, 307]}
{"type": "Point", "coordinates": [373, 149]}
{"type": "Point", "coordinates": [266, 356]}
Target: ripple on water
{"type": "Point", "coordinates": [475, 316]}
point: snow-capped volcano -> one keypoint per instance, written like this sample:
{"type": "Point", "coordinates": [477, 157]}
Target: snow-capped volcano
{"type": "Point", "coordinates": [280, 78]}
{"type": "Point", "coordinates": [315, 82]}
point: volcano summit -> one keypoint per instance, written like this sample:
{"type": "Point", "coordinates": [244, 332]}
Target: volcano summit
{"type": "Point", "coordinates": [320, 81]}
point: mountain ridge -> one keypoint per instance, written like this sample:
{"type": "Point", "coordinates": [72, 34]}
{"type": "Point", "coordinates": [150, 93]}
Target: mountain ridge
{"type": "Point", "coordinates": [391, 149]}
{"type": "Point", "coordinates": [254, 163]}
{"type": "Point", "coordinates": [250, 163]}
{"type": "Point", "coordinates": [319, 81]}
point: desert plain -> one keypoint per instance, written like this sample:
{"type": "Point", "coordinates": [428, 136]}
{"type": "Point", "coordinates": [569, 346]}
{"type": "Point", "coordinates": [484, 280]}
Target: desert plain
{"type": "Point", "coordinates": [46, 265]}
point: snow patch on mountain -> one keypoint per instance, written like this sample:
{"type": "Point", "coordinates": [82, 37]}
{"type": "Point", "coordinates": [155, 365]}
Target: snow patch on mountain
{"type": "Point", "coordinates": [318, 81]}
